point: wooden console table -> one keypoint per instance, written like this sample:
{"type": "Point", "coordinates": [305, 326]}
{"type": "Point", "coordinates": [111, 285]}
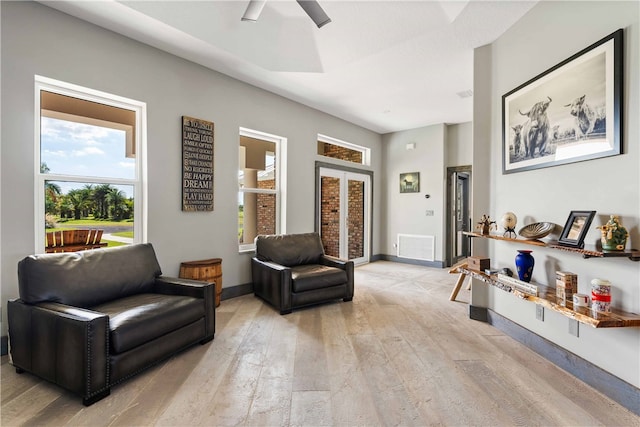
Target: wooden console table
{"type": "Point", "coordinates": [207, 270]}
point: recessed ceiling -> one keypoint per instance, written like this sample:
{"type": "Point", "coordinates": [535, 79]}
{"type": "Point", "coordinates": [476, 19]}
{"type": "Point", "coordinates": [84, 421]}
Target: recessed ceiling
{"type": "Point", "coordinates": [384, 65]}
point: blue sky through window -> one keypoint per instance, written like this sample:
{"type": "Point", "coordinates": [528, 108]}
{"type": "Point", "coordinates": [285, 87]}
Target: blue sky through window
{"type": "Point", "coordinates": [78, 149]}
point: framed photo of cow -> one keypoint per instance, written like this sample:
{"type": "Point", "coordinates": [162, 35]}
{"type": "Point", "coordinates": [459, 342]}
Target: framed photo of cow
{"type": "Point", "coordinates": [569, 113]}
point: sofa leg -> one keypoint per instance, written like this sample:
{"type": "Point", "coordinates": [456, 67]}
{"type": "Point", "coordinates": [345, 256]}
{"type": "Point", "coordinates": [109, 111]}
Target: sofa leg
{"type": "Point", "coordinates": [95, 398]}
{"type": "Point", "coordinates": [19, 370]}
{"type": "Point", "coordinates": [347, 299]}
{"type": "Point", "coordinates": [283, 312]}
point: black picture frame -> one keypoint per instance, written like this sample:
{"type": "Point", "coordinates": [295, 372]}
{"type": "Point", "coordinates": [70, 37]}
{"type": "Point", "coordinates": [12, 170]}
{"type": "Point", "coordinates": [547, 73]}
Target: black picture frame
{"type": "Point", "coordinates": [576, 228]}
{"type": "Point", "coordinates": [573, 111]}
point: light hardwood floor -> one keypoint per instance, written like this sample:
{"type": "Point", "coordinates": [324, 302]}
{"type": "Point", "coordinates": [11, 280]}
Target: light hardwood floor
{"type": "Point", "coordinates": [400, 354]}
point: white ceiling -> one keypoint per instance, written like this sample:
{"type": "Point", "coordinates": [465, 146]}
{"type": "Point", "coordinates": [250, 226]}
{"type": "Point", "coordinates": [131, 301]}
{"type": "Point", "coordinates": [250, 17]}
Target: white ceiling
{"type": "Point", "coordinates": [384, 65]}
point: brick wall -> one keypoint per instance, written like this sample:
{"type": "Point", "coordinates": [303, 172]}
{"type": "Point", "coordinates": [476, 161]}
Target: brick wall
{"type": "Point", "coordinates": [266, 205]}
{"type": "Point", "coordinates": [342, 153]}
{"type": "Point", "coordinates": [356, 219]}
{"type": "Point", "coordinates": [330, 215]}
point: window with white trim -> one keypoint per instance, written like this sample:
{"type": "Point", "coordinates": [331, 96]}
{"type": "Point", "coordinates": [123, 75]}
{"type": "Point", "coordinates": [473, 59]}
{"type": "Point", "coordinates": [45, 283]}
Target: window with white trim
{"type": "Point", "coordinates": [89, 164]}
{"type": "Point", "coordinates": [260, 176]}
{"type": "Point", "coordinates": [342, 150]}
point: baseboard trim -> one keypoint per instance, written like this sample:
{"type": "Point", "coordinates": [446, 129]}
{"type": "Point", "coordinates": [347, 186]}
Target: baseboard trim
{"type": "Point", "coordinates": [4, 345]}
{"type": "Point", "coordinates": [436, 264]}
{"type": "Point", "coordinates": [236, 291]}
{"type": "Point", "coordinates": [374, 258]}
{"type": "Point", "coordinates": [478, 313]}
{"type": "Point", "coordinates": [615, 388]}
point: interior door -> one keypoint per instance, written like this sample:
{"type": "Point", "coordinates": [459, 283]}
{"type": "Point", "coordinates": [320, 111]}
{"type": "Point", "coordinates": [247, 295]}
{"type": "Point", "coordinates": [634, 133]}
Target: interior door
{"type": "Point", "coordinates": [459, 213]}
{"type": "Point", "coordinates": [344, 214]}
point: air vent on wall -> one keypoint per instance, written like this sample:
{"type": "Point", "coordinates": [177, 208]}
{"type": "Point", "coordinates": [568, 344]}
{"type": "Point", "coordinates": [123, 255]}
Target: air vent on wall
{"type": "Point", "coordinates": [416, 247]}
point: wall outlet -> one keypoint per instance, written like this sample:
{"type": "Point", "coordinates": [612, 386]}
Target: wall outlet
{"type": "Point", "coordinates": [540, 312]}
{"type": "Point", "coordinates": [573, 327]}
{"type": "Point", "coordinates": [429, 212]}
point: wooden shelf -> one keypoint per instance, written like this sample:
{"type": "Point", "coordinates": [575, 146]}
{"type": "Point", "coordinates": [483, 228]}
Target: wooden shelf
{"type": "Point", "coordinates": [547, 298]}
{"type": "Point", "coordinates": [632, 254]}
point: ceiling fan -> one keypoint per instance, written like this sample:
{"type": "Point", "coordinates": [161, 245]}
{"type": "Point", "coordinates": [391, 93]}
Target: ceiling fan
{"type": "Point", "coordinates": [313, 9]}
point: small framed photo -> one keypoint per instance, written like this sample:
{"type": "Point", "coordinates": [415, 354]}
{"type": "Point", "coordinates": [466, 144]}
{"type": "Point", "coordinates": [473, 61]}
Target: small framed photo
{"type": "Point", "coordinates": [576, 229]}
{"type": "Point", "coordinates": [410, 182]}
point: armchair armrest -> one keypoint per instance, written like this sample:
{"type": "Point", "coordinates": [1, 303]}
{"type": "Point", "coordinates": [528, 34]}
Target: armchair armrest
{"type": "Point", "coordinates": [195, 289]}
{"type": "Point", "coordinates": [334, 262]}
{"type": "Point", "coordinates": [272, 282]}
{"type": "Point", "coordinates": [66, 345]}
{"type": "Point", "coordinates": [343, 265]}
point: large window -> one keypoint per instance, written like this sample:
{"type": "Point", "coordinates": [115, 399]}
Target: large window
{"type": "Point", "coordinates": [260, 176]}
{"type": "Point", "coordinates": [89, 168]}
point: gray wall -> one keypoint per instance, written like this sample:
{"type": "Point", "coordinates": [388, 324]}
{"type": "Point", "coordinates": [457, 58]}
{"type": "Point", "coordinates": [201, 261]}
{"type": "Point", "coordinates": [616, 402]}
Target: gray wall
{"type": "Point", "coordinates": [39, 40]}
{"type": "Point", "coordinates": [437, 147]}
{"type": "Point", "coordinates": [460, 144]}
{"type": "Point", "coordinates": [406, 213]}
{"type": "Point", "coordinates": [609, 185]}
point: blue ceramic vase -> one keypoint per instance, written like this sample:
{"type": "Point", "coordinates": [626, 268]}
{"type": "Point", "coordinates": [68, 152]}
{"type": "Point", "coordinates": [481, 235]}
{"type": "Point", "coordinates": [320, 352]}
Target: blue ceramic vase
{"type": "Point", "coordinates": [524, 265]}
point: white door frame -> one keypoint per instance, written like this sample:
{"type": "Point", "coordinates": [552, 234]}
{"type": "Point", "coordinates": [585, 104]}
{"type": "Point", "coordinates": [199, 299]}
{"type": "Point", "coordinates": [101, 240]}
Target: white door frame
{"type": "Point", "coordinates": [345, 176]}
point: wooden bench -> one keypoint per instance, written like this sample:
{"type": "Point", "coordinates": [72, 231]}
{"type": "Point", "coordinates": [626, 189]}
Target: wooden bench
{"type": "Point", "coordinates": [73, 240]}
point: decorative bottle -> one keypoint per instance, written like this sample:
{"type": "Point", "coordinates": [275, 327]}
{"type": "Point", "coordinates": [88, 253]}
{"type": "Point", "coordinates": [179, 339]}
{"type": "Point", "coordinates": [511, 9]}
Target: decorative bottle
{"type": "Point", "coordinates": [524, 264]}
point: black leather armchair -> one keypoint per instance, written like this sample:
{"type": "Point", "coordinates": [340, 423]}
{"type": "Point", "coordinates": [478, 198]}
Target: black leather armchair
{"type": "Point", "coordinates": [88, 320]}
{"type": "Point", "coordinates": [292, 271]}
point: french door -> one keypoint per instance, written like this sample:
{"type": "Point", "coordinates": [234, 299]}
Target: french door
{"type": "Point", "coordinates": [343, 215]}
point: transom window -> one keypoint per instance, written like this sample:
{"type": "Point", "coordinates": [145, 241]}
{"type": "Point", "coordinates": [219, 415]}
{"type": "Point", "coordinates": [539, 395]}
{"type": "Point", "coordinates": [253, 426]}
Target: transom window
{"type": "Point", "coordinates": [336, 149]}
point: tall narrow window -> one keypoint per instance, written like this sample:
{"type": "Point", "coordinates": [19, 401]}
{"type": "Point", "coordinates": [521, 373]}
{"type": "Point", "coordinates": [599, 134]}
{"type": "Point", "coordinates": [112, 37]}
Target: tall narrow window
{"type": "Point", "coordinates": [88, 168]}
{"type": "Point", "coordinates": [259, 180]}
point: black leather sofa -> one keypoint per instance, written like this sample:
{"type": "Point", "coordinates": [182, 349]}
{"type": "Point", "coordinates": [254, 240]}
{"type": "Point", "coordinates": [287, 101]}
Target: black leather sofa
{"type": "Point", "coordinates": [88, 320]}
{"type": "Point", "coordinates": [291, 271]}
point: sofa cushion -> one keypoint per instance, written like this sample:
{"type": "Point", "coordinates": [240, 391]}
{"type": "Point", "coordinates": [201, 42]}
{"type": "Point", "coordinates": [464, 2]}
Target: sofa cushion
{"type": "Point", "coordinates": [137, 319]}
{"type": "Point", "coordinates": [290, 249]}
{"type": "Point", "coordinates": [313, 276]}
{"type": "Point", "coordinates": [88, 278]}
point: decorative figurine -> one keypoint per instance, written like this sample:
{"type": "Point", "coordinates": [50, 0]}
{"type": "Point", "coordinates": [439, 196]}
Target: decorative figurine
{"type": "Point", "coordinates": [485, 224]}
{"type": "Point", "coordinates": [508, 222]}
{"type": "Point", "coordinates": [614, 235]}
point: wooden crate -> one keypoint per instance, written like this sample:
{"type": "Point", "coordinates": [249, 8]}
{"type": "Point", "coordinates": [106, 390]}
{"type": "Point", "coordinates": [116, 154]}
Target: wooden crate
{"type": "Point", "coordinates": [206, 270]}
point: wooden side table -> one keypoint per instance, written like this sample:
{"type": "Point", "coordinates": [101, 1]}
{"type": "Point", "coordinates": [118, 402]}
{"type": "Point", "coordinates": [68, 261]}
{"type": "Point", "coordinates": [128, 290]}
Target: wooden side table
{"type": "Point", "coordinates": [207, 270]}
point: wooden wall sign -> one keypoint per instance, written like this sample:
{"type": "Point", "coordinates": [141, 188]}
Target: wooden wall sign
{"type": "Point", "coordinates": [197, 165]}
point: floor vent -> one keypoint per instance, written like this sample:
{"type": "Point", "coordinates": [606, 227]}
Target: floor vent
{"type": "Point", "coordinates": [416, 247]}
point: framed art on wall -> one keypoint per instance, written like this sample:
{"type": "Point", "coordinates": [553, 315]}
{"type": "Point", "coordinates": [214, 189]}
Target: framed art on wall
{"type": "Point", "coordinates": [197, 164]}
{"type": "Point", "coordinates": [410, 182]}
{"type": "Point", "coordinates": [569, 113]}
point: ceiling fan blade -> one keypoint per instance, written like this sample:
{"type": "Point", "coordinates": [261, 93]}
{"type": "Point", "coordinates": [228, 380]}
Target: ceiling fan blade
{"type": "Point", "coordinates": [315, 12]}
{"type": "Point", "coordinates": [254, 9]}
